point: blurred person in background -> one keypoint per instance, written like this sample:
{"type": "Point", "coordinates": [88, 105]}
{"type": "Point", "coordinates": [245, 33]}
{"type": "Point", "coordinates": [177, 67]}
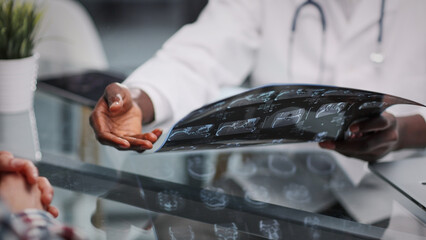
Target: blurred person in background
{"type": "Point", "coordinates": [25, 198]}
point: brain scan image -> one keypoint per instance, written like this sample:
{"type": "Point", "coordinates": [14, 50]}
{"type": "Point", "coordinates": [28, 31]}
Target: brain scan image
{"type": "Point", "coordinates": [330, 109]}
{"type": "Point", "coordinates": [252, 99]}
{"type": "Point", "coordinates": [283, 113]}
{"type": "Point", "coordinates": [339, 119]}
{"type": "Point", "coordinates": [170, 200]}
{"type": "Point", "coordinates": [191, 132]}
{"type": "Point", "coordinates": [214, 198]}
{"type": "Point", "coordinates": [298, 93]}
{"type": "Point", "coordinates": [237, 127]}
{"type": "Point", "coordinates": [270, 229]}
{"type": "Point", "coordinates": [286, 117]}
{"type": "Point", "coordinates": [297, 193]}
{"type": "Point", "coordinates": [181, 233]}
{"type": "Point", "coordinates": [226, 231]}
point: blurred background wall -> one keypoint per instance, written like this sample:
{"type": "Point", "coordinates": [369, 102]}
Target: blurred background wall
{"type": "Point", "coordinates": [133, 30]}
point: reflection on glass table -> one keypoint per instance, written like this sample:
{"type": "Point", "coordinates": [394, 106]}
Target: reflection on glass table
{"type": "Point", "coordinates": [281, 192]}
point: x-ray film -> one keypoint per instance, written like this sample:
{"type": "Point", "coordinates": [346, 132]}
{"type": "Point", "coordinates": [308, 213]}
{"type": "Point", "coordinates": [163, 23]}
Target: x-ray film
{"type": "Point", "coordinates": [277, 114]}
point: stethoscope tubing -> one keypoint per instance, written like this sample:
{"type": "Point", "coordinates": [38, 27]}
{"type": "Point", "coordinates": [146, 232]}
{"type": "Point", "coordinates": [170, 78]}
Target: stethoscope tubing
{"type": "Point", "coordinates": [376, 57]}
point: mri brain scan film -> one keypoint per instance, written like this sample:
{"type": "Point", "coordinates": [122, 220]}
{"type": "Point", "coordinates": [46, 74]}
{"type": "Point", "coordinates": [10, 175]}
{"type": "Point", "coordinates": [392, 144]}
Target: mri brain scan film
{"type": "Point", "coordinates": [277, 114]}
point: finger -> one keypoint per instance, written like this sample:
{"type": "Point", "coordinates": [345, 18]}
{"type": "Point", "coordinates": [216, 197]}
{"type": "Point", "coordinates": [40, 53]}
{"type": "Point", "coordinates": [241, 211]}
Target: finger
{"type": "Point", "coordinates": [327, 145]}
{"type": "Point", "coordinates": [5, 155]}
{"type": "Point", "coordinates": [46, 190]}
{"type": "Point", "coordinates": [107, 138]}
{"type": "Point", "coordinates": [137, 143]}
{"type": "Point", "coordinates": [376, 124]}
{"type": "Point", "coordinates": [368, 144]}
{"type": "Point", "coordinates": [118, 98]}
{"type": "Point", "coordinates": [157, 132]}
{"type": "Point", "coordinates": [27, 168]}
{"type": "Point", "coordinates": [10, 164]}
{"type": "Point", "coordinates": [146, 136]}
{"type": "Point", "coordinates": [98, 116]}
{"type": "Point", "coordinates": [53, 210]}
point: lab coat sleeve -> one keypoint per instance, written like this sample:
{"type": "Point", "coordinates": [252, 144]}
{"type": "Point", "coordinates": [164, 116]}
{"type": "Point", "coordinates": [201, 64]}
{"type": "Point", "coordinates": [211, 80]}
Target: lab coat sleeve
{"type": "Point", "coordinates": [217, 50]}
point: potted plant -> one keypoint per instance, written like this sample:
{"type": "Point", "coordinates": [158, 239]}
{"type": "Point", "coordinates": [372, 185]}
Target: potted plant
{"type": "Point", "coordinates": [18, 62]}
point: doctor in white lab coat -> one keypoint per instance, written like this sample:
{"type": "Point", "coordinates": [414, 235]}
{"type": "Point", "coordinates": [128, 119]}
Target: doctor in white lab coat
{"type": "Point", "coordinates": [234, 39]}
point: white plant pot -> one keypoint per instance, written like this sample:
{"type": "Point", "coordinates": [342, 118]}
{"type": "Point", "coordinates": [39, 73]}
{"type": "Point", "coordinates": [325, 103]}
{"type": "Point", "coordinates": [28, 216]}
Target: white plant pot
{"type": "Point", "coordinates": [18, 79]}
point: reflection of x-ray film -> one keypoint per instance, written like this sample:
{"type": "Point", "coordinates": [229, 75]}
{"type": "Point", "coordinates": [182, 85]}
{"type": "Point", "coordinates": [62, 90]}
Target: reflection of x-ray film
{"type": "Point", "coordinates": [191, 132]}
{"type": "Point", "coordinates": [297, 193]}
{"type": "Point", "coordinates": [214, 198]}
{"type": "Point", "coordinates": [281, 165]}
{"type": "Point", "coordinates": [180, 232]}
{"type": "Point", "coordinates": [170, 200]}
{"type": "Point", "coordinates": [237, 127]}
{"type": "Point", "coordinates": [200, 168]}
{"type": "Point", "coordinates": [226, 231]}
{"type": "Point", "coordinates": [251, 99]}
{"type": "Point", "coordinates": [330, 109]}
{"type": "Point", "coordinates": [312, 222]}
{"type": "Point", "coordinates": [257, 196]}
{"type": "Point", "coordinates": [270, 229]}
{"type": "Point", "coordinates": [278, 114]}
{"type": "Point", "coordinates": [319, 163]}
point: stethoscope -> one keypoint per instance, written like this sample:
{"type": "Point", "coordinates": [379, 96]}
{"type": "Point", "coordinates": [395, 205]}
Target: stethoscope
{"type": "Point", "coordinates": [376, 56]}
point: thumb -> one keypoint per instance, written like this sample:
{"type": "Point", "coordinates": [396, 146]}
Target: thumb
{"type": "Point", "coordinates": [118, 98]}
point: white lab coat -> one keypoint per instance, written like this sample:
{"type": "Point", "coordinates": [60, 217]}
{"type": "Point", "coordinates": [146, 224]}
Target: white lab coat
{"type": "Point", "coordinates": [235, 38]}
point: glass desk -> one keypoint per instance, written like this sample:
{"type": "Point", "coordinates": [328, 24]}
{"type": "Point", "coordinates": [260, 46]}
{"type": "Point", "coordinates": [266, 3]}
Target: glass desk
{"type": "Point", "coordinates": [295, 191]}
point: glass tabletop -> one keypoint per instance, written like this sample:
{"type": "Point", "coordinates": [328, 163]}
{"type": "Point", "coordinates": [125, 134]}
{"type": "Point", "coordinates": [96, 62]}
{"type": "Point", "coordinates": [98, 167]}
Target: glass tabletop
{"type": "Point", "coordinates": [293, 191]}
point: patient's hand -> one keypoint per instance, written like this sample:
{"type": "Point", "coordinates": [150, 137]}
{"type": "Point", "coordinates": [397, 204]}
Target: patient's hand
{"type": "Point", "coordinates": [21, 187]}
{"type": "Point", "coordinates": [117, 121]}
{"type": "Point", "coordinates": [8, 163]}
{"type": "Point", "coordinates": [18, 194]}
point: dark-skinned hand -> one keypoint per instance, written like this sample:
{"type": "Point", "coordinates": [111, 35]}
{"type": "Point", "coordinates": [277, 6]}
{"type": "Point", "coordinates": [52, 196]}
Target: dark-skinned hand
{"type": "Point", "coordinates": [370, 139]}
{"type": "Point", "coordinates": [117, 121]}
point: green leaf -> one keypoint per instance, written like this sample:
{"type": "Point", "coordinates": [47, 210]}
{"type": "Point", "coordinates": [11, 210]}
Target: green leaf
{"type": "Point", "coordinates": [18, 23]}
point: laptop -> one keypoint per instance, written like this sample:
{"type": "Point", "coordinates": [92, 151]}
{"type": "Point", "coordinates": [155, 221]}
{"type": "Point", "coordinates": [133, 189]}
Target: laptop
{"type": "Point", "coordinates": [408, 177]}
